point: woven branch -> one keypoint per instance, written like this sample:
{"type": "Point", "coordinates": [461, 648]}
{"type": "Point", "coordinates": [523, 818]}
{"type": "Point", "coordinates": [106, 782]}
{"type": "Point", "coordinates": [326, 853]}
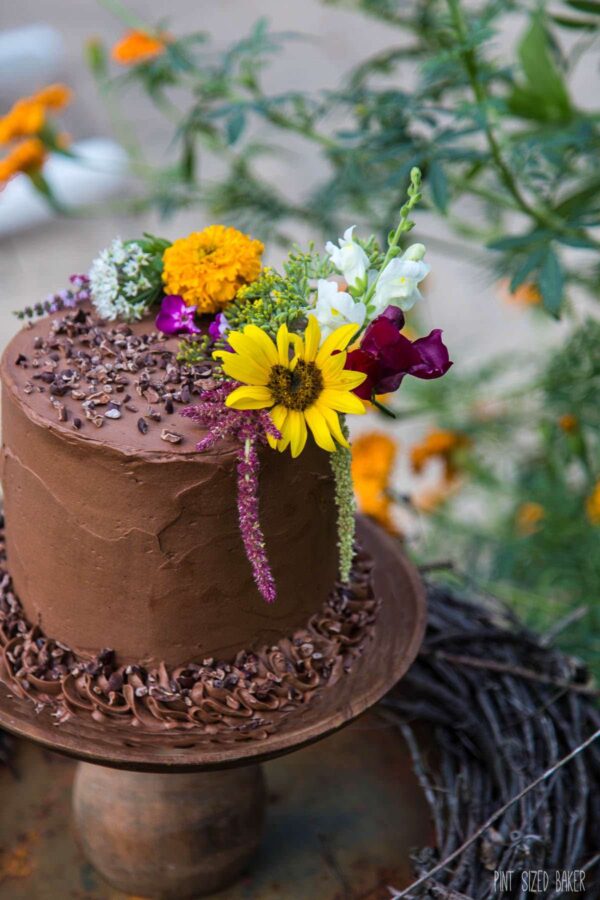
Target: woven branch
{"type": "Point", "coordinates": [504, 710]}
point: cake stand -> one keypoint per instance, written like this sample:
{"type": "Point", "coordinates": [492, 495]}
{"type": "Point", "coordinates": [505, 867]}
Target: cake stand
{"type": "Point", "coordinates": [169, 817]}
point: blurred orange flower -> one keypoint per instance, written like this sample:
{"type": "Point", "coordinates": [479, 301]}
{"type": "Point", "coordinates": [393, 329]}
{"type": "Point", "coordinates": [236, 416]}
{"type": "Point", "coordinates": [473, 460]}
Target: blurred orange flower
{"type": "Point", "coordinates": [28, 115]}
{"type": "Point", "coordinates": [26, 118]}
{"type": "Point", "coordinates": [138, 46]}
{"type": "Point", "coordinates": [442, 445]}
{"type": "Point", "coordinates": [27, 156]}
{"type": "Point", "coordinates": [373, 457]}
{"type": "Point", "coordinates": [568, 422]}
{"type": "Point", "coordinates": [529, 516]}
{"type": "Point", "coordinates": [592, 505]}
{"type": "Point", "coordinates": [54, 96]}
{"type": "Point", "coordinates": [525, 295]}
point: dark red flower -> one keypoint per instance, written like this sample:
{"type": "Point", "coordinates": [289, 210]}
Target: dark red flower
{"type": "Point", "coordinates": [386, 356]}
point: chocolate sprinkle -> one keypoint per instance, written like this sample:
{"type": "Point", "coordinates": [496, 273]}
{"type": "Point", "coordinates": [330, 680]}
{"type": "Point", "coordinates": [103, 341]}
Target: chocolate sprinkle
{"type": "Point", "coordinates": [100, 364]}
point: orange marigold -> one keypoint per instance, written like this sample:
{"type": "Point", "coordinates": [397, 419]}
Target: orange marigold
{"type": "Point", "coordinates": [138, 46]}
{"type": "Point", "coordinates": [592, 505]}
{"type": "Point", "coordinates": [440, 444]}
{"type": "Point", "coordinates": [28, 156]}
{"type": "Point", "coordinates": [373, 457]}
{"type": "Point", "coordinates": [208, 267]}
{"type": "Point", "coordinates": [54, 96]}
{"type": "Point", "coordinates": [27, 116]}
{"type": "Point", "coordinates": [25, 119]}
{"type": "Point", "coordinates": [529, 516]}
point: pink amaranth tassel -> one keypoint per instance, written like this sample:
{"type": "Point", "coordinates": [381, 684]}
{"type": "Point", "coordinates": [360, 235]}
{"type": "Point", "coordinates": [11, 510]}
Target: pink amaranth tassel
{"type": "Point", "coordinates": [250, 427]}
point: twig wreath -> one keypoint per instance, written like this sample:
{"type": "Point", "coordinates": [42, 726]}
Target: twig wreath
{"type": "Point", "coordinates": [515, 783]}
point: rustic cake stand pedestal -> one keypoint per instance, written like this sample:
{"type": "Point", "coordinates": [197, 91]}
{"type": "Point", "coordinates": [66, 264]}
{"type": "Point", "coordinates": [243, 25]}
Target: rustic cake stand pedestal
{"type": "Point", "coordinates": [171, 816]}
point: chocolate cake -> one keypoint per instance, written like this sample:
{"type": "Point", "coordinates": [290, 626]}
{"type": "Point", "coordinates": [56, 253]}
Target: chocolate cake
{"type": "Point", "coordinates": [125, 590]}
{"type": "Point", "coordinates": [179, 545]}
{"type": "Point", "coordinates": [119, 533]}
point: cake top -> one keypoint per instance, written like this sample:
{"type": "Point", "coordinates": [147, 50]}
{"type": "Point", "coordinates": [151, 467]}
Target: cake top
{"type": "Point", "coordinates": [119, 384]}
{"type": "Point", "coordinates": [240, 356]}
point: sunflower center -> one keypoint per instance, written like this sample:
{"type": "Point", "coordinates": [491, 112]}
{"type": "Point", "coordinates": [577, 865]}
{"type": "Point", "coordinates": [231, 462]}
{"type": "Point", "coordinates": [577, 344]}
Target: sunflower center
{"type": "Point", "coordinates": [298, 389]}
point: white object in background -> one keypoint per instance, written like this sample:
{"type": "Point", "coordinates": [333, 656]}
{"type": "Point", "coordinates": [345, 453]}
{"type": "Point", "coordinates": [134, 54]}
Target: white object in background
{"type": "Point", "coordinates": [30, 58]}
{"type": "Point", "coordinates": [98, 173]}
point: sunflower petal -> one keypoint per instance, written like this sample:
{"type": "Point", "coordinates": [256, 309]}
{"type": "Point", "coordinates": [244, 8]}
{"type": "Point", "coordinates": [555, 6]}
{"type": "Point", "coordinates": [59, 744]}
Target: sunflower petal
{"type": "Point", "coordinates": [283, 345]}
{"type": "Point", "coordinates": [333, 421]}
{"type": "Point", "coordinates": [338, 340]}
{"type": "Point", "coordinates": [346, 380]}
{"type": "Point", "coordinates": [318, 425]}
{"type": "Point", "coordinates": [279, 416]}
{"type": "Point", "coordinates": [246, 346]}
{"type": "Point", "coordinates": [262, 339]}
{"type": "Point", "coordinates": [312, 339]}
{"type": "Point", "coordinates": [342, 401]}
{"type": "Point", "coordinates": [297, 431]}
{"type": "Point", "coordinates": [243, 369]}
{"type": "Point", "coordinates": [333, 366]}
{"type": "Point", "coordinates": [250, 397]}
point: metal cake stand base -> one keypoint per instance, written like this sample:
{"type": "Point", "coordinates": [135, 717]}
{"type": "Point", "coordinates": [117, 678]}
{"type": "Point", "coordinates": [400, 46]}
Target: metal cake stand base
{"type": "Point", "coordinates": [182, 818]}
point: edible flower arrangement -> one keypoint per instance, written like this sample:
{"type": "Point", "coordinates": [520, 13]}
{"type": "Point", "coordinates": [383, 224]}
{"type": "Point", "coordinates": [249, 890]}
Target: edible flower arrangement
{"type": "Point", "coordinates": [292, 352]}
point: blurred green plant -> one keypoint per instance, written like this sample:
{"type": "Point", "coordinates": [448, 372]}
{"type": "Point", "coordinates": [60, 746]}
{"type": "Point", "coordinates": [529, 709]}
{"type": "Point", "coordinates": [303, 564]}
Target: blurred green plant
{"type": "Point", "coordinates": [526, 520]}
{"type": "Point", "coordinates": [504, 134]}
{"type": "Point", "coordinates": [510, 162]}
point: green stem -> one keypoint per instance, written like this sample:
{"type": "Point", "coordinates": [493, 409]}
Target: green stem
{"type": "Point", "coordinates": [382, 408]}
{"type": "Point", "coordinates": [119, 10]}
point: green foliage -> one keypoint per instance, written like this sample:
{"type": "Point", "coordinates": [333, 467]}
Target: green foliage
{"type": "Point", "coordinates": [505, 133]}
{"type": "Point", "coordinates": [523, 452]}
{"type": "Point", "coordinates": [501, 136]}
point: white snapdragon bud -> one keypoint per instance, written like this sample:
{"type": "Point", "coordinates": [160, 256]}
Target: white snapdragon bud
{"type": "Point", "coordinates": [349, 258]}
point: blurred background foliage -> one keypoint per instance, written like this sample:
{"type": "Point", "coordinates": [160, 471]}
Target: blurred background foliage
{"type": "Point", "coordinates": [510, 163]}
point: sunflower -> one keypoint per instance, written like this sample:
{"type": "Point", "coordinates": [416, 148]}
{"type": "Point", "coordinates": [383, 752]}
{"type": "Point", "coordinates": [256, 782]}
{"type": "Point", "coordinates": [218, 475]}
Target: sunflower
{"type": "Point", "coordinates": [207, 268]}
{"type": "Point", "coordinates": [310, 388]}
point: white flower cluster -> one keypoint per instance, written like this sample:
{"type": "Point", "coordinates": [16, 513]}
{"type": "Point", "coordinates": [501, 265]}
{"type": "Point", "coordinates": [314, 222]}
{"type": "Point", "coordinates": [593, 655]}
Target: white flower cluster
{"type": "Point", "coordinates": [396, 285]}
{"type": "Point", "coordinates": [118, 281]}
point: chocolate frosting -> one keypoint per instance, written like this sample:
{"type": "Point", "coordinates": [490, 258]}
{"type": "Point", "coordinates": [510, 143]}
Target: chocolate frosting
{"type": "Point", "coordinates": [246, 699]}
{"type": "Point", "coordinates": [119, 536]}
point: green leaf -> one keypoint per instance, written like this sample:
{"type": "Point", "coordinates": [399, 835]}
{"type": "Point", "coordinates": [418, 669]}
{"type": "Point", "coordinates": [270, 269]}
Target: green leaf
{"type": "Point", "coordinates": [235, 125]}
{"type": "Point", "coordinates": [531, 262]}
{"type": "Point", "coordinates": [551, 283]}
{"type": "Point", "coordinates": [518, 241]}
{"type": "Point", "coordinates": [543, 96]}
{"type": "Point", "coordinates": [439, 185]}
{"type": "Point", "coordinates": [577, 24]}
{"type": "Point", "coordinates": [585, 6]}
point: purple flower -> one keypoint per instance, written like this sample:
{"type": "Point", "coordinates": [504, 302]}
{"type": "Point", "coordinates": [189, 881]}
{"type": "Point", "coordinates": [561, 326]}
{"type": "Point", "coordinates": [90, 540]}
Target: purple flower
{"type": "Point", "coordinates": [175, 317]}
{"type": "Point", "coordinates": [218, 326]}
{"type": "Point", "coordinates": [250, 427]}
{"type": "Point", "coordinates": [386, 356]}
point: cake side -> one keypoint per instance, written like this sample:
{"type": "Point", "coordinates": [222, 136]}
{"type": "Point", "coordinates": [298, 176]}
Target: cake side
{"type": "Point", "coordinates": [119, 538]}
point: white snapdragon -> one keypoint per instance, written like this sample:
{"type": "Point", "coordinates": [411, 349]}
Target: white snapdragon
{"type": "Point", "coordinates": [118, 276]}
{"type": "Point", "coordinates": [398, 283]}
{"type": "Point", "coordinates": [349, 258]}
{"type": "Point", "coordinates": [334, 308]}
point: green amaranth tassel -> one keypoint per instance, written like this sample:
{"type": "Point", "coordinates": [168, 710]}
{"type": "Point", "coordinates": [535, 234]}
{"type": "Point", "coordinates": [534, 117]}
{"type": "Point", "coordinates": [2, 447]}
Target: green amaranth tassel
{"type": "Point", "coordinates": [341, 462]}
